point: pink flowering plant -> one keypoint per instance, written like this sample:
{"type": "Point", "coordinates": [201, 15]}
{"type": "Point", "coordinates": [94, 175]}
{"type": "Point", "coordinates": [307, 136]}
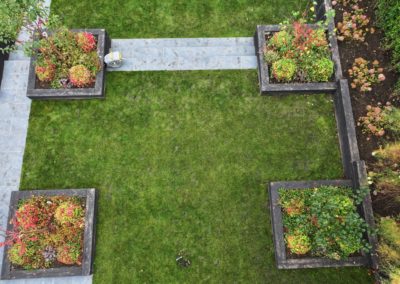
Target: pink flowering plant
{"type": "Point", "coordinates": [47, 231]}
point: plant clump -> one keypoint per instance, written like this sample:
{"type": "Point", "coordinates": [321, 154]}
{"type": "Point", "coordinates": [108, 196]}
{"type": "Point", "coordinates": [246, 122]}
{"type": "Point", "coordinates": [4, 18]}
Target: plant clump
{"type": "Point", "coordinates": [354, 25]}
{"type": "Point", "coordinates": [46, 230]}
{"type": "Point", "coordinates": [323, 221]}
{"type": "Point", "coordinates": [67, 59]}
{"type": "Point", "coordinates": [299, 53]}
{"type": "Point", "coordinates": [380, 120]}
{"type": "Point", "coordinates": [365, 74]}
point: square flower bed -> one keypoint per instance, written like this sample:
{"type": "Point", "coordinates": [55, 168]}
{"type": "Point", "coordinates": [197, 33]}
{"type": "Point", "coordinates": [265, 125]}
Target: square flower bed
{"type": "Point", "coordinates": [295, 59]}
{"type": "Point", "coordinates": [50, 233]}
{"type": "Point", "coordinates": [69, 65]}
{"type": "Point", "coordinates": [317, 224]}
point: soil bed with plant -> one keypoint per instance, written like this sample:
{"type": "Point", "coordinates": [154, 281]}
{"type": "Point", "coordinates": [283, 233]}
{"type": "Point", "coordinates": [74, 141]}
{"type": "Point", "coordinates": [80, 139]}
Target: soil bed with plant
{"type": "Point", "coordinates": [49, 233]}
{"type": "Point", "coordinates": [69, 65]}
{"type": "Point", "coordinates": [294, 58]}
{"type": "Point", "coordinates": [368, 47]}
{"type": "Point", "coordinates": [317, 224]}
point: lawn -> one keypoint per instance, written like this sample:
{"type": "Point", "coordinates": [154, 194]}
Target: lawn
{"type": "Point", "coordinates": [181, 160]}
{"type": "Point", "coordinates": [175, 18]}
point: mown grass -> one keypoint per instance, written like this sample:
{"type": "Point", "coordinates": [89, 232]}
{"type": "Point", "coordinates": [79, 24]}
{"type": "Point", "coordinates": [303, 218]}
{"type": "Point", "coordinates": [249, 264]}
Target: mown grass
{"type": "Point", "coordinates": [181, 161]}
{"type": "Point", "coordinates": [175, 18]}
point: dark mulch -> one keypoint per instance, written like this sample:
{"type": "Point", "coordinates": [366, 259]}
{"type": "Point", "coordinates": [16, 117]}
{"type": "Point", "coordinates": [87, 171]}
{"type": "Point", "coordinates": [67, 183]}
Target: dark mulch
{"type": "Point", "coordinates": [371, 49]}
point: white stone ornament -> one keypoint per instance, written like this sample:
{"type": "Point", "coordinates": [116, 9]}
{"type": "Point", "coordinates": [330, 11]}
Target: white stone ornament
{"type": "Point", "coordinates": [113, 59]}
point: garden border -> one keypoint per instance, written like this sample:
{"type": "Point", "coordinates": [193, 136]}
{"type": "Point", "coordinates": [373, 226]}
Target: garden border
{"type": "Point", "coordinates": [354, 168]}
{"type": "Point", "coordinates": [103, 46]}
{"type": "Point", "coordinates": [89, 235]}
{"type": "Point", "coordinates": [289, 88]}
{"type": "Point", "coordinates": [278, 235]}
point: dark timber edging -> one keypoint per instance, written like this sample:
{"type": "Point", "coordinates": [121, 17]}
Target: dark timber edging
{"type": "Point", "coordinates": [103, 45]}
{"type": "Point", "coordinates": [268, 88]}
{"type": "Point", "coordinates": [282, 260]}
{"type": "Point", "coordinates": [89, 236]}
{"type": "Point", "coordinates": [354, 168]}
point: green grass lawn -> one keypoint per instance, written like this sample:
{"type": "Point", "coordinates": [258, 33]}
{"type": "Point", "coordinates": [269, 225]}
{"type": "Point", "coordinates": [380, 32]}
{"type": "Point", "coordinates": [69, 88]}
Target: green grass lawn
{"type": "Point", "coordinates": [181, 160]}
{"type": "Point", "coordinates": [175, 18]}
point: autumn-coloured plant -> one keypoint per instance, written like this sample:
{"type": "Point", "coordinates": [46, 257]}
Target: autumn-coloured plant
{"type": "Point", "coordinates": [46, 230]}
{"type": "Point", "coordinates": [365, 74]}
{"type": "Point", "coordinates": [299, 53]}
{"type": "Point", "coordinates": [354, 25]}
{"type": "Point", "coordinates": [86, 41]}
{"type": "Point", "coordinates": [345, 2]}
{"type": "Point", "coordinates": [69, 213]}
{"type": "Point", "coordinates": [80, 76]}
{"type": "Point", "coordinates": [380, 119]}
{"type": "Point", "coordinates": [45, 71]}
{"type": "Point", "coordinates": [65, 49]}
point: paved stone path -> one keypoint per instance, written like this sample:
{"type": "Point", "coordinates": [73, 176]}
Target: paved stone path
{"type": "Point", "coordinates": [186, 54]}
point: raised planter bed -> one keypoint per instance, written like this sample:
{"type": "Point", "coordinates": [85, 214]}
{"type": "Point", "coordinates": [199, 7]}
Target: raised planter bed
{"type": "Point", "coordinates": [264, 76]}
{"type": "Point", "coordinates": [282, 259]}
{"type": "Point", "coordinates": [98, 91]}
{"type": "Point", "coordinates": [9, 271]}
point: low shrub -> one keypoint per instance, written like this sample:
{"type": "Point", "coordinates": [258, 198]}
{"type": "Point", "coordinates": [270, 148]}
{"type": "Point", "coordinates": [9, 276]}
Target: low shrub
{"type": "Point", "coordinates": [299, 53]}
{"type": "Point", "coordinates": [365, 74]}
{"type": "Point", "coordinates": [80, 76]}
{"type": "Point", "coordinates": [46, 230]}
{"type": "Point", "coordinates": [323, 221]}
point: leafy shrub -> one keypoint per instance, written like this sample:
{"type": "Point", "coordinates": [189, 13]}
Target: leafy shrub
{"type": "Point", "coordinates": [66, 51]}
{"type": "Point", "coordinates": [365, 74]}
{"type": "Point", "coordinates": [299, 53]}
{"type": "Point", "coordinates": [11, 17]}
{"type": "Point", "coordinates": [323, 221]}
{"type": "Point", "coordinates": [284, 69]}
{"type": "Point", "coordinates": [389, 20]}
{"type": "Point", "coordinates": [46, 229]}
{"type": "Point", "coordinates": [354, 25]}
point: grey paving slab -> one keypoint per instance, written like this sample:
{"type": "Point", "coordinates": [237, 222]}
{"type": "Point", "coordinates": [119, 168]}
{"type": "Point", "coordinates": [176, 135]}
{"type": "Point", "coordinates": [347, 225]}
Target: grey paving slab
{"type": "Point", "coordinates": [186, 54]}
{"type": "Point", "coordinates": [182, 42]}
